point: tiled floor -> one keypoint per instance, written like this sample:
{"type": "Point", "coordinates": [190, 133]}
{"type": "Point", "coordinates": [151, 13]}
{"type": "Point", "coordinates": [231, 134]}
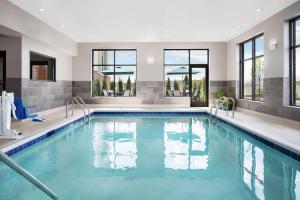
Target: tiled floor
{"type": "Point", "coordinates": [278, 130]}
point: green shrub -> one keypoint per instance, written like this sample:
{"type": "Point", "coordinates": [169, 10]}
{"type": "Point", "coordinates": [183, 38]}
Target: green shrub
{"type": "Point", "coordinates": [220, 93]}
{"type": "Point", "coordinates": [176, 86]}
{"type": "Point", "coordinates": [120, 85]}
{"type": "Point", "coordinates": [128, 84]}
{"type": "Point", "coordinates": [168, 85]}
{"type": "Point", "coordinates": [96, 88]}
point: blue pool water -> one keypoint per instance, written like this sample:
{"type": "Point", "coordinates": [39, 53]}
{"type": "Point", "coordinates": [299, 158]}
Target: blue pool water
{"type": "Point", "coordinates": [144, 157]}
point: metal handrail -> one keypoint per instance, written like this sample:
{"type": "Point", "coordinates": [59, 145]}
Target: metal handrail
{"type": "Point", "coordinates": [216, 113]}
{"type": "Point", "coordinates": [67, 103]}
{"type": "Point", "coordinates": [87, 107]}
{"type": "Point", "coordinates": [80, 104]}
{"type": "Point", "coordinates": [13, 165]}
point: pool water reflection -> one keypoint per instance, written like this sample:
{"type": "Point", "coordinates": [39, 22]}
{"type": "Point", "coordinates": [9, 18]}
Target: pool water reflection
{"type": "Point", "coordinates": [154, 157]}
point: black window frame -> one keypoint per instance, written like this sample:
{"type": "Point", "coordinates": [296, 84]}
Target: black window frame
{"type": "Point", "coordinates": [292, 58]}
{"type": "Point", "coordinates": [242, 61]}
{"type": "Point", "coordinates": [113, 65]}
{"type": "Point", "coordinates": [188, 65]}
{"type": "Point", "coordinates": [31, 63]}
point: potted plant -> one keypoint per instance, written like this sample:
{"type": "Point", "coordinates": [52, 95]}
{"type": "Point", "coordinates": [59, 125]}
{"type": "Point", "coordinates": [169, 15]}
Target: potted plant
{"type": "Point", "coordinates": [128, 84]}
{"type": "Point", "coordinates": [220, 98]}
{"type": "Point", "coordinates": [226, 102]}
{"type": "Point", "coordinates": [176, 86]}
{"type": "Point", "coordinates": [168, 85]}
{"type": "Point", "coordinates": [120, 86]}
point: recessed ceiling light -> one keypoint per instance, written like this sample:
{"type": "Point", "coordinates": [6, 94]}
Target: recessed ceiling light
{"type": "Point", "coordinates": [259, 10]}
{"type": "Point", "coordinates": [238, 27]}
{"type": "Point", "coordinates": [62, 26]}
{"type": "Point", "coordinates": [42, 9]}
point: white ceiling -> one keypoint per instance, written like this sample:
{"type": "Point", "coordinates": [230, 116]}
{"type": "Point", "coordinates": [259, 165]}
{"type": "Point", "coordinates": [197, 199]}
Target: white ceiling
{"type": "Point", "coordinates": [152, 20]}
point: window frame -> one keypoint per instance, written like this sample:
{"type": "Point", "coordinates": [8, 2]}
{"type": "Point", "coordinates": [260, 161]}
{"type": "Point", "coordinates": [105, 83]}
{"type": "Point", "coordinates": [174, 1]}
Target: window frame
{"type": "Point", "coordinates": [242, 61]}
{"type": "Point", "coordinates": [292, 59]}
{"type": "Point", "coordinates": [114, 66]}
{"type": "Point", "coordinates": [30, 66]}
{"type": "Point", "coordinates": [188, 65]}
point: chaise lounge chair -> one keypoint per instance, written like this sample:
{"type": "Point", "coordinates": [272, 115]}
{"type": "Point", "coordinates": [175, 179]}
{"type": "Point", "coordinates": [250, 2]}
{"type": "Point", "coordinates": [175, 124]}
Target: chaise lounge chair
{"type": "Point", "coordinates": [176, 93]}
{"type": "Point", "coordinates": [126, 93]}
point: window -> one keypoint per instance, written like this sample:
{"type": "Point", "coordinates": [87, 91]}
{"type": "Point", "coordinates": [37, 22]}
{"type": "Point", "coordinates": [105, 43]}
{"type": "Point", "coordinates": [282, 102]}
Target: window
{"type": "Point", "coordinates": [42, 67]}
{"type": "Point", "coordinates": [295, 61]}
{"type": "Point", "coordinates": [114, 72]}
{"type": "Point", "coordinates": [252, 68]}
{"type": "Point", "coordinates": [177, 62]}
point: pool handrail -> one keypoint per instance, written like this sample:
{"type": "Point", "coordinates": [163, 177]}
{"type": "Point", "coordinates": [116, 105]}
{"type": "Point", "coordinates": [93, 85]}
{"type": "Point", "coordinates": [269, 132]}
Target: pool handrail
{"type": "Point", "coordinates": [82, 105]}
{"type": "Point", "coordinates": [13, 165]}
{"type": "Point", "coordinates": [87, 107]}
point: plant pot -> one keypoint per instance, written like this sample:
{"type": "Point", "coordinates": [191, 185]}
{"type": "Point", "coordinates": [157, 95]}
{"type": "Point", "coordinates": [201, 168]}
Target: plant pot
{"type": "Point", "coordinates": [224, 105]}
{"type": "Point", "coordinates": [219, 104]}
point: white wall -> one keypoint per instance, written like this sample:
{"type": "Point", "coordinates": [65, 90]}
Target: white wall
{"type": "Point", "coordinates": [275, 29]}
{"type": "Point", "coordinates": [150, 72]}
{"type": "Point", "coordinates": [17, 19]}
{"type": "Point", "coordinates": [63, 60]}
{"type": "Point", "coordinates": [12, 46]}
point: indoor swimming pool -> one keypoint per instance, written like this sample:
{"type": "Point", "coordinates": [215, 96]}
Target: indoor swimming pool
{"type": "Point", "coordinates": [153, 157]}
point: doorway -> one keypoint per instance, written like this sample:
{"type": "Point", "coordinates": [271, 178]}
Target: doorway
{"type": "Point", "coordinates": [198, 76]}
{"type": "Point", "coordinates": [2, 71]}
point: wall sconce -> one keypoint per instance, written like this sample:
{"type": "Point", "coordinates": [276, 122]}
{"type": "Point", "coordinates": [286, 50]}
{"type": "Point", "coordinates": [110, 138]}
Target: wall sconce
{"type": "Point", "coordinates": [150, 60]}
{"type": "Point", "coordinates": [273, 46]}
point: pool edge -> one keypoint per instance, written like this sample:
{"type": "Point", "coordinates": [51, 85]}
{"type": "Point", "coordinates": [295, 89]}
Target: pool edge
{"type": "Point", "coordinates": [23, 144]}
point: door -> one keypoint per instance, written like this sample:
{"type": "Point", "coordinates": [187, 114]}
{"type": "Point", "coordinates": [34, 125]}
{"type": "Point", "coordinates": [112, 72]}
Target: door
{"type": "Point", "coordinates": [2, 70]}
{"type": "Point", "coordinates": [199, 85]}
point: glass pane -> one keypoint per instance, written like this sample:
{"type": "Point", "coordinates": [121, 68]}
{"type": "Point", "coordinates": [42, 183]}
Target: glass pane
{"type": "Point", "coordinates": [125, 81]}
{"type": "Point", "coordinates": [198, 85]}
{"type": "Point", "coordinates": [103, 81]}
{"type": "Point", "coordinates": [248, 79]}
{"type": "Point", "coordinates": [297, 73]}
{"type": "Point", "coordinates": [248, 50]}
{"type": "Point", "coordinates": [176, 57]}
{"type": "Point", "coordinates": [1, 74]}
{"type": "Point", "coordinates": [259, 46]}
{"type": "Point", "coordinates": [259, 78]}
{"type": "Point", "coordinates": [103, 57]}
{"type": "Point", "coordinates": [297, 32]}
{"type": "Point", "coordinates": [42, 67]}
{"type": "Point", "coordinates": [176, 81]}
{"type": "Point", "coordinates": [198, 57]}
{"type": "Point", "coordinates": [126, 57]}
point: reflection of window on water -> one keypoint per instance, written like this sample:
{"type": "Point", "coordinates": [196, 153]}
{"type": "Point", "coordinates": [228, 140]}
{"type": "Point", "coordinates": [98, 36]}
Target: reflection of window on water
{"type": "Point", "coordinates": [253, 173]}
{"type": "Point", "coordinates": [185, 145]}
{"type": "Point", "coordinates": [297, 185]}
{"type": "Point", "coordinates": [115, 145]}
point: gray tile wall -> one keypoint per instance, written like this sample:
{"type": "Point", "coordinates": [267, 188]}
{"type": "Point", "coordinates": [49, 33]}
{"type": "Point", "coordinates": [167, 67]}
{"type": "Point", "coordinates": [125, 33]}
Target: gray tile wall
{"type": "Point", "coordinates": [44, 94]}
{"type": "Point", "coordinates": [276, 99]}
{"type": "Point", "coordinates": [214, 86]}
{"type": "Point", "coordinates": [148, 92]}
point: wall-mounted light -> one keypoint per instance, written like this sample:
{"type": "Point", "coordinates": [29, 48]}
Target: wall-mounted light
{"type": "Point", "coordinates": [273, 46]}
{"type": "Point", "coordinates": [150, 60]}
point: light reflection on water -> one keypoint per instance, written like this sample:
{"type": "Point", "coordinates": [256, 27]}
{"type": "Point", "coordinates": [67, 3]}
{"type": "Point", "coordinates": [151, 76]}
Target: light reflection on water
{"type": "Point", "coordinates": [114, 145]}
{"type": "Point", "coordinates": [186, 146]}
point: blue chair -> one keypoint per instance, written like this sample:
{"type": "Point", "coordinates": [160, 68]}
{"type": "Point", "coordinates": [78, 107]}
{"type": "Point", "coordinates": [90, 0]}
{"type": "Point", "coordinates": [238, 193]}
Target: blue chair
{"type": "Point", "coordinates": [22, 111]}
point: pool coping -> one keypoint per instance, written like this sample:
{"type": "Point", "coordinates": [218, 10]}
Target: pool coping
{"type": "Point", "coordinates": [274, 144]}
